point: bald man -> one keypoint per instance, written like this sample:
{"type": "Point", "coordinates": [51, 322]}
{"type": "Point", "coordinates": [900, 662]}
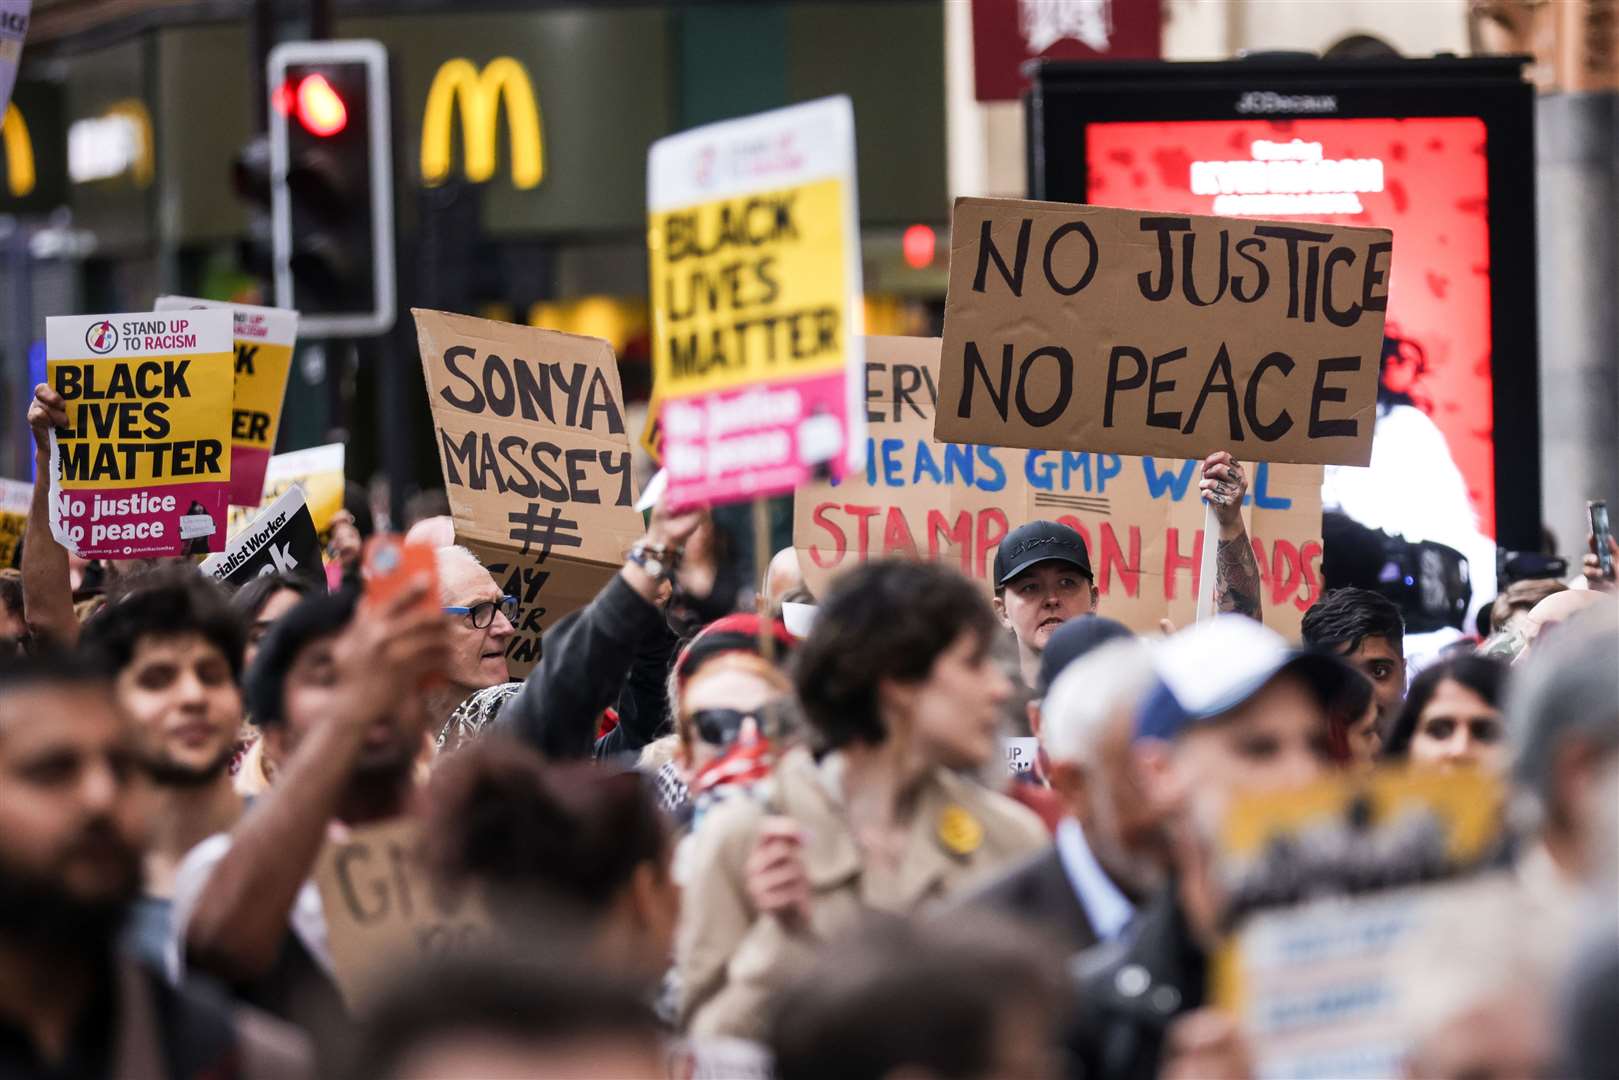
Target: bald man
{"type": "Point", "coordinates": [784, 575]}
{"type": "Point", "coordinates": [1556, 608]}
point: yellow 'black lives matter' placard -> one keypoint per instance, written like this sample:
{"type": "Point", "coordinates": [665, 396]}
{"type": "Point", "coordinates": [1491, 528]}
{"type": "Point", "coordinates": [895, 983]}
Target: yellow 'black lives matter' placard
{"type": "Point", "coordinates": [142, 468]}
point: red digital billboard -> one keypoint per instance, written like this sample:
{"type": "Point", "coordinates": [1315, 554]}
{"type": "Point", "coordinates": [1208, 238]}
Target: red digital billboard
{"type": "Point", "coordinates": [1425, 178]}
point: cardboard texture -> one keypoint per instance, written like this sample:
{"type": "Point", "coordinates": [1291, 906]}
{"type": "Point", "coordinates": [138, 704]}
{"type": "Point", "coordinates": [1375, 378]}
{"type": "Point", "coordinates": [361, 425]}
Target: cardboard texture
{"type": "Point", "coordinates": [1141, 516]}
{"type": "Point", "coordinates": [383, 911]}
{"type": "Point", "coordinates": [1087, 328]}
{"type": "Point", "coordinates": [281, 538]}
{"type": "Point", "coordinates": [529, 425]}
{"type": "Point", "coordinates": [143, 467]}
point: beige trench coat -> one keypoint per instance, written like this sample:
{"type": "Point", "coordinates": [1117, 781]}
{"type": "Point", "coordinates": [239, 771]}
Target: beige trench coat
{"type": "Point", "coordinates": [731, 960]}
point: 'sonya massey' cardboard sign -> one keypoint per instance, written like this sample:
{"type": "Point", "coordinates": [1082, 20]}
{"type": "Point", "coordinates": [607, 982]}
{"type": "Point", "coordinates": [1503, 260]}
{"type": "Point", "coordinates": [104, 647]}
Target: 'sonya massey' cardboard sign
{"type": "Point", "coordinates": [1141, 517]}
{"type": "Point", "coordinates": [1072, 327]}
{"type": "Point", "coordinates": [143, 467]}
{"type": "Point", "coordinates": [264, 340]}
{"type": "Point", "coordinates": [530, 431]}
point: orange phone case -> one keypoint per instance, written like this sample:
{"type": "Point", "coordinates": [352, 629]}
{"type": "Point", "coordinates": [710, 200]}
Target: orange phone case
{"type": "Point", "coordinates": [390, 564]}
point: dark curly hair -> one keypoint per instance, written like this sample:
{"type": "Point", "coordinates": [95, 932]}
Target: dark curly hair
{"type": "Point", "coordinates": [1343, 618]}
{"type": "Point", "coordinates": [568, 833]}
{"type": "Point", "coordinates": [169, 601]}
{"type": "Point", "coordinates": [1483, 675]}
{"type": "Point", "coordinates": [315, 618]}
{"type": "Point", "coordinates": [887, 619]}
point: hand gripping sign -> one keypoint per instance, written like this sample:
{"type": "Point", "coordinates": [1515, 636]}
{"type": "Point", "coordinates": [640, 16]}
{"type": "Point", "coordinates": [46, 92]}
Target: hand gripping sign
{"type": "Point", "coordinates": [264, 341]}
{"type": "Point", "coordinates": [143, 467]}
{"type": "Point", "coordinates": [754, 249]}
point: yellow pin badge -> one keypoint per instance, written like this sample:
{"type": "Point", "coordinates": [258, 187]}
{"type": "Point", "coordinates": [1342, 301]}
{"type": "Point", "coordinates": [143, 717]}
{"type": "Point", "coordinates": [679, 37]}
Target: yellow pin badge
{"type": "Point", "coordinates": [959, 831]}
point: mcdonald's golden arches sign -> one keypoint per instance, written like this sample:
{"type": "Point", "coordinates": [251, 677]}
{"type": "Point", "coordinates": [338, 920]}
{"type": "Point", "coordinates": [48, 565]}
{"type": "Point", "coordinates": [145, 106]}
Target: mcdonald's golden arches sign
{"type": "Point", "coordinates": [479, 94]}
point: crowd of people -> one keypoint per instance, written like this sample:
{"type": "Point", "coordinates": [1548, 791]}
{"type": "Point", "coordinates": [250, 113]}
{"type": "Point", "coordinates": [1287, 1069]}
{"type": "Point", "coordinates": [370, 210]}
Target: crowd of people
{"type": "Point", "coordinates": [711, 845]}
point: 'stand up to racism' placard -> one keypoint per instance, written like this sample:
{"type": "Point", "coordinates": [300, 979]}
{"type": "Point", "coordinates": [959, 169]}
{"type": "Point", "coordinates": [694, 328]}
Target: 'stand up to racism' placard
{"type": "Point", "coordinates": [264, 341]}
{"type": "Point", "coordinates": [530, 431]}
{"type": "Point", "coordinates": [1140, 516]}
{"type": "Point", "coordinates": [1086, 328]}
{"type": "Point", "coordinates": [754, 247]}
{"type": "Point", "coordinates": [143, 467]}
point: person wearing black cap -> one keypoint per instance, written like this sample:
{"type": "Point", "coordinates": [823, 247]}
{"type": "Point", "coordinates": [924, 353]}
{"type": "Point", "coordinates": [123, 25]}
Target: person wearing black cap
{"type": "Point", "coordinates": [1043, 578]}
{"type": "Point", "coordinates": [1043, 573]}
{"type": "Point", "coordinates": [1232, 709]}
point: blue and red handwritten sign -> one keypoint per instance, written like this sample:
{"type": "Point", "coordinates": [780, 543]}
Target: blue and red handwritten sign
{"type": "Point", "coordinates": [1140, 516]}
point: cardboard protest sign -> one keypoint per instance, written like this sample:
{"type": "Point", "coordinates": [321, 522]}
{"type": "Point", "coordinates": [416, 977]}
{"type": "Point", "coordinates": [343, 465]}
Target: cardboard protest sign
{"type": "Point", "coordinates": [318, 470]}
{"type": "Point", "coordinates": [281, 539]}
{"type": "Point", "coordinates": [264, 341]}
{"type": "Point", "coordinates": [530, 430]}
{"type": "Point", "coordinates": [143, 467]}
{"type": "Point", "coordinates": [1339, 894]}
{"type": "Point", "coordinates": [1141, 517]}
{"type": "Point", "coordinates": [546, 590]}
{"type": "Point", "coordinates": [754, 246]}
{"type": "Point", "coordinates": [1086, 328]}
{"type": "Point", "coordinates": [383, 910]}
{"type": "Point", "coordinates": [15, 499]}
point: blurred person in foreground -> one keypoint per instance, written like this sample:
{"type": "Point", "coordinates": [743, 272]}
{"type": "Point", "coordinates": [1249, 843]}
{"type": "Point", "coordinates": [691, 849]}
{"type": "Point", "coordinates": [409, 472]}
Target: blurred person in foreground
{"type": "Point", "coordinates": [486, 1017]}
{"type": "Point", "coordinates": [1232, 711]}
{"type": "Point", "coordinates": [174, 646]}
{"type": "Point", "coordinates": [260, 604]}
{"type": "Point", "coordinates": [574, 855]}
{"type": "Point", "coordinates": [337, 694]}
{"type": "Point", "coordinates": [1366, 630]}
{"type": "Point", "coordinates": [961, 998]}
{"type": "Point", "coordinates": [1545, 617]}
{"type": "Point", "coordinates": [71, 829]}
{"type": "Point", "coordinates": [1452, 717]}
{"type": "Point", "coordinates": [1109, 855]}
{"type": "Point", "coordinates": [903, 699]}
{"type": "Point", "coordinates": [1563, 737]}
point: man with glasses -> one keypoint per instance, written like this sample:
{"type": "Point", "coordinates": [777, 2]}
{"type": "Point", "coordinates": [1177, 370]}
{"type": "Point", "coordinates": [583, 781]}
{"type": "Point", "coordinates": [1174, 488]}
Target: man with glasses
{"type": "Point", "coordinates": [480, 619]}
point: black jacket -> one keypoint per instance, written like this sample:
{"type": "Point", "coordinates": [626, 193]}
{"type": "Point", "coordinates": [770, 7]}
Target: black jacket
{"type": "Point", "coordinates": [613, 651]}
{"type": "Point", "coordinates": [1038, 892]}
{"type": "Point", "coordinates": [1130, 991]}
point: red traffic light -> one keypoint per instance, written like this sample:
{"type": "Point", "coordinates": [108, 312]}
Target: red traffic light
{"type": "Point", "coordinates": [918, 245]}
{"type": "Point", "coordinates": [318, 107]}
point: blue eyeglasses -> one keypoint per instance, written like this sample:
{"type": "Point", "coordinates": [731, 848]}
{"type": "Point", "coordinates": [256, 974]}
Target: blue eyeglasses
{"type": "Point", "coordinates": [483, 615]}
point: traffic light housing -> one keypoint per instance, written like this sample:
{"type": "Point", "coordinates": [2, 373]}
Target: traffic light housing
{"type": "Point", "coordinates": [331, 186]}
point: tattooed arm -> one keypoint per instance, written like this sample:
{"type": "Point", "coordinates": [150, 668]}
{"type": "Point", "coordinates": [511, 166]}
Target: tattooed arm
{"type": "Point", "coordinates": [1236, 572]}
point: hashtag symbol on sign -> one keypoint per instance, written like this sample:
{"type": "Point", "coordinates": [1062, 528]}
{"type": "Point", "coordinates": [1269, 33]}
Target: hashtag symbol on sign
{"type": "Point", "coordinates": [531, 527]}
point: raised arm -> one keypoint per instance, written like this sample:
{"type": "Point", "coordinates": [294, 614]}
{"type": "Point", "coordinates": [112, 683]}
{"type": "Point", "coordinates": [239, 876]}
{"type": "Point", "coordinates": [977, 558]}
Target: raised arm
{"type": "Point", "coordinates": [239, 922]}
{"type": "Point", "coordinates": [46, 584]}
{"type": "Point", "coordinates": [588, 656]}
{"type": "Point", "coordinates": [1236, 573]}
